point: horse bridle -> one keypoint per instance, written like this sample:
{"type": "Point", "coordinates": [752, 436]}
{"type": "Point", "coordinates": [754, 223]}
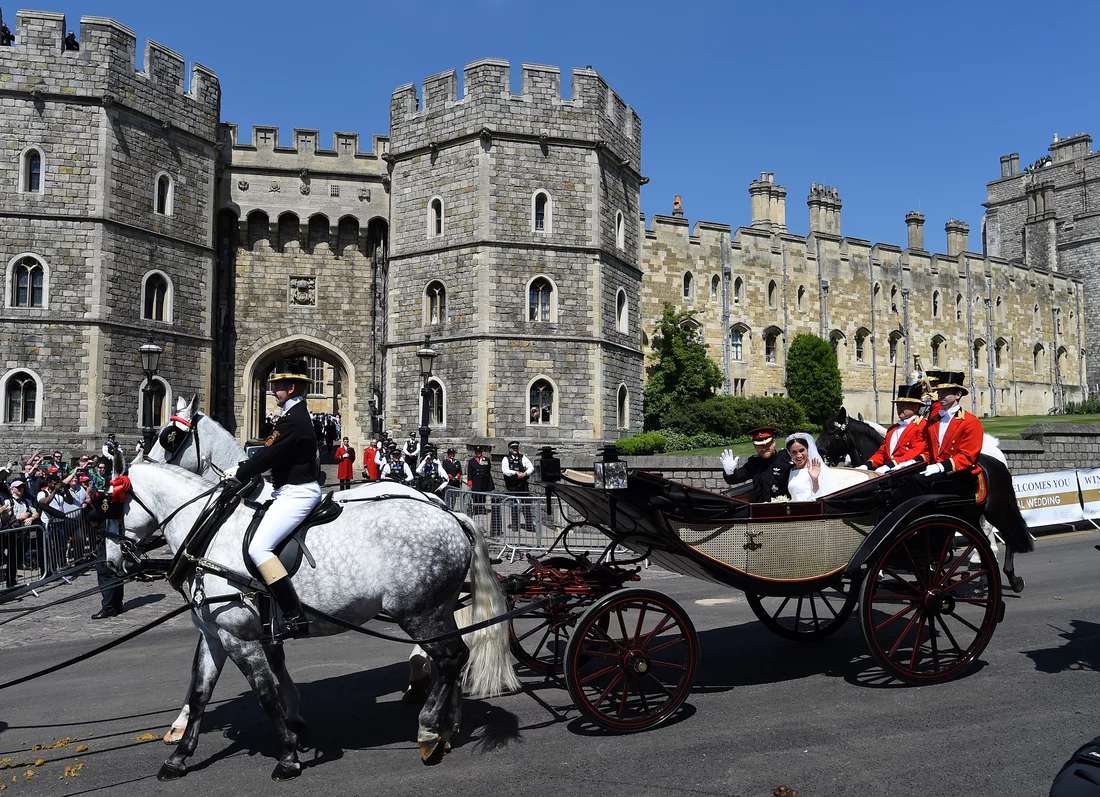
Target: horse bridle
{"type": "Point", "coordinates": [172, 440]}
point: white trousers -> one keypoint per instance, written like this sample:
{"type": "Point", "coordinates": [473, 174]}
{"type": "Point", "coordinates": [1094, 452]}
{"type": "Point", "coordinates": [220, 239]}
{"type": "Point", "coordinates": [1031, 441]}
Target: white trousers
{"type": "Point", "coordinates": [292, 502]}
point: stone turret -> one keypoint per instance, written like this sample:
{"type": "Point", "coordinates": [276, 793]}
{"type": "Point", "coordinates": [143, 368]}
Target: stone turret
{"type": "Point", "coordinates": [914, 222]}
{"type": "Point", "coordinates": [824, 203]}
{"type": "Point", "coordinates": [958, 236]}
{"type": "Point", "coordinates": [769, 203]}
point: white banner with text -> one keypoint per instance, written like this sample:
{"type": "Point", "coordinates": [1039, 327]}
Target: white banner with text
{"type": "Point", "coordinates": [1048, 499]}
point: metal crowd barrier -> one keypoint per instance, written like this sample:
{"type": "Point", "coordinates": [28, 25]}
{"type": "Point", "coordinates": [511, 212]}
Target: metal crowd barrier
{"type": "Point", "coordinates": [31, 556]}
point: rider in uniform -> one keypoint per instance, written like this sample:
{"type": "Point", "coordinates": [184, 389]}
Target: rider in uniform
{"type": "Point", "coordinates": [954, 443]}
{"type": "Point", "coordinates": [768, 469]}
{"type": "Point", "coordinates": [290, 453]}
{"type": "Point", "coordinates": [906, 440]}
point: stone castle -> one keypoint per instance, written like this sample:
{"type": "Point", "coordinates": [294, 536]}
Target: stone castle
{"type": "Point", "coordinates": [504, 226]}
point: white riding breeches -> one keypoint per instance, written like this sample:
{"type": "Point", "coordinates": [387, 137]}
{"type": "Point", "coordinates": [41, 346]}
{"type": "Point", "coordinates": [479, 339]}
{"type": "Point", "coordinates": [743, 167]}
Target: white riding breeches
{"type": "Point", "coordinates": [291, 504]}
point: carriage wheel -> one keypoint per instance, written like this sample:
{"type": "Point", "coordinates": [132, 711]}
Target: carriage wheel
{"type": "Point", "coordinates": [805, 618]}
{"type": "Point", "coordinates": [538, 640]}
{"type": "Point", "coordinates": [927, 612]}
{"type": "Point", "coordinates": [631, 660]}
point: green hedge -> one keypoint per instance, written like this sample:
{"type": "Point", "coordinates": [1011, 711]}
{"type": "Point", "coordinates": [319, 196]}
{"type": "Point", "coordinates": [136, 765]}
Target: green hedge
{"type": "Point", "coordinates": [1090, 406]}
{"type": "Point", "coordinates": [731, 417]}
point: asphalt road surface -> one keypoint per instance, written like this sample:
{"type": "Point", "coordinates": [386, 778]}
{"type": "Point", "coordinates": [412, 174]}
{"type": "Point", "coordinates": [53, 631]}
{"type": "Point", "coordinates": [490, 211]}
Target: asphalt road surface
{"type": "Point", "coordinates": [764, 712]}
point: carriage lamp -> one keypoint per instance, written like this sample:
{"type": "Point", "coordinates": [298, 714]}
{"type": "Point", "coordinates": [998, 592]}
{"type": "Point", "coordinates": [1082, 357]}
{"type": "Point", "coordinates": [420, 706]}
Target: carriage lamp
{"type": "Point", "coordinates": [150, 364]}
{"type": "Point", "coordinates": [549, 465]}
{"type": "Point", "coordinates": [425, 354]}
{"type": "Point", "coordinates": [609, 470]}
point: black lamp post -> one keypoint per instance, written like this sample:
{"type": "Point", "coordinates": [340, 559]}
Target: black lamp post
{"type": "Point", "coordinates": [150, 363]}
{"type": "Point", "coordinates": [425, 354]}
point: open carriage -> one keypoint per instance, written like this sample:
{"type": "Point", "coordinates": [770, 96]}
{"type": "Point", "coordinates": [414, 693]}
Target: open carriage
{"type": "Point", "coordinates": [922, 576]}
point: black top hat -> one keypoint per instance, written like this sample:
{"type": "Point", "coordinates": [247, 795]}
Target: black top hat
{"type": "Point", "coordinates": [909, 394]}
{"type": "Point", "coordinates": [290, 371]}
{"type": "Point", "coordinates": [952, 381]}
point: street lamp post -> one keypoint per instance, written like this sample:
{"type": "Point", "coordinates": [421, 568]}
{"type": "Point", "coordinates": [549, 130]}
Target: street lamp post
{"type": "Point", "coordinates": [150, 364]}
{"type": "Point", "coordinates": [425, 354]}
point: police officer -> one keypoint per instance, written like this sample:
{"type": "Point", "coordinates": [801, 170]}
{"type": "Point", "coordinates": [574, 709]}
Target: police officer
{"type": "Point", "coordinates": [768, 469]}
{"type": "Point", "coordinates": [517, 469]}
{"type": "Point", "coordinates": [290, 453]}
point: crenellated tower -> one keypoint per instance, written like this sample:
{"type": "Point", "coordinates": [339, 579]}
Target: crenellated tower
{"type": "Point", "coordinates": [515, 246]}
{"type": "Point", "coordinates": [106, 203]}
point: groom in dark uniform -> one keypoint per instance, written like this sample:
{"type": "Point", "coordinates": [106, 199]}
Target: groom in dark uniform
{"type": "Point", "coordinates": [768, 469]}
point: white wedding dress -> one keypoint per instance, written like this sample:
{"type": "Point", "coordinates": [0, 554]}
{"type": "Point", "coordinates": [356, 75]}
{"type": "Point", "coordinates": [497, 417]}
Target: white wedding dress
{"type": "Point", "coordinates": [799, 484]}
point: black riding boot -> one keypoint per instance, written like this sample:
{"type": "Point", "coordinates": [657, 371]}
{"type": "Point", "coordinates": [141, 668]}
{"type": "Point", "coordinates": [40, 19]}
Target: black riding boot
{"type": "Point", "coordinates": [294, 623]}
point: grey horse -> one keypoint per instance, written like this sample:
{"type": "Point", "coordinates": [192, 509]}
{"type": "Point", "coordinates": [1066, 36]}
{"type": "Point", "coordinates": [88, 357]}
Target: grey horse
{"type": "Point", "coordinates": [407, 558]}
{"type": "Point", "coordinates": [207, 448]}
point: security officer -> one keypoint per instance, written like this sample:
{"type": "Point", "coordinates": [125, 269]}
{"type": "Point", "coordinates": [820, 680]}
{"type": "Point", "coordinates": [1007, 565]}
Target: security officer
{"type": "Point", "coordinates": [767, 469]}
{"type": "Point", "coordinates": [517, 469]}
{"type": "Point", "coordinates": [290, 453]}
{"type": "Point", "coordinates": [453, 469]}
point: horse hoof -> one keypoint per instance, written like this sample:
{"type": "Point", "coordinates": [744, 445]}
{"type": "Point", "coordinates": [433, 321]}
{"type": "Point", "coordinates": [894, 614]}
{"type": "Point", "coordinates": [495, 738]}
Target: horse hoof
{"type": "Point", "coordinates": [286, 771]}
{"type": "Point", "coordinates": [300, 730]}
{"type": "Point", "coordinates": [417, 692]}
{"type": "Point", "coordinates": [170, 772]}
{"type": "Point", "coordinates": [1016, 583]}
{"type": "Point", "coordinates": [431, 753]}
{"type": "Point", "coordinates": [173, 735]}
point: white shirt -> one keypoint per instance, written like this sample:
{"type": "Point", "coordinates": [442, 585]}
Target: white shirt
{"type": "Point", "coordinates": [945, 419]}
{"type": "Point", "coordinates": [896, 434]}
{"type": "Point", "coordinates": [506, 469]}
{"type": "Point", "coordinates": [290, 402]}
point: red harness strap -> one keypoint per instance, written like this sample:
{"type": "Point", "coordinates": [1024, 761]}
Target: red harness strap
{"type": "Point", "coordinates": [178, 419]}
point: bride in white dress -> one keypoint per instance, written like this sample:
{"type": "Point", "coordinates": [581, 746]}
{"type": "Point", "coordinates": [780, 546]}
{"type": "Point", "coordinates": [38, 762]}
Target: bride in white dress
{"type": "Point", "coordinates": [810, 477]}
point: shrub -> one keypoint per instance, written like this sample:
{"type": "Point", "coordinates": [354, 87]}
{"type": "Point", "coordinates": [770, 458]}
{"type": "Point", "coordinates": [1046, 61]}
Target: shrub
{"type": "Point", "coordinates": [1089, 406]}
{"type": "Point", "coordinates": [813, 378]}
{"type": "Point", "coordinates": [641, 444]}
{"type": "Point", "coordinates": [734, 416]}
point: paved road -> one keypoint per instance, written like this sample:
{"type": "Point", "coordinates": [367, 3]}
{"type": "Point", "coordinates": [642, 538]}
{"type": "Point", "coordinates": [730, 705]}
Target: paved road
{"type": "Point", "coordinates": [765, 711]}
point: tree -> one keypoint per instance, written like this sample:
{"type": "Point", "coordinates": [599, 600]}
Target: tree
{"type": "Point", "coordinates": [813, 378]}
{"type": "Point", "coordinates": [681, 372]}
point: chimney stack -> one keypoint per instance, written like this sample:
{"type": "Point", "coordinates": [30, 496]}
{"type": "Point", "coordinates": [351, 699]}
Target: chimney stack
{"type": "Point", "coordinates": [914, 221]}
{"type": "Point", "coordinates": [824, 204]}
{"type": "Point", "coordinates": [958, 236]}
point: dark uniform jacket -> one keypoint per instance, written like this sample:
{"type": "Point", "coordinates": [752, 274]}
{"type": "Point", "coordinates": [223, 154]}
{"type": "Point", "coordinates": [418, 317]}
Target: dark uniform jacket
{"type": "Point", "coordinates": [290, 453]}
{"type": "Point", "coordinates": [453, 468]}
{"type": "Point", "coordinates": [769, 476]}
{"type": "Point", "coordinates": [480, 475]}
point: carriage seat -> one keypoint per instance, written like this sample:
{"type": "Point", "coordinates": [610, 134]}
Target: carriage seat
{"type": "Point", "coordinates": [293, 548]}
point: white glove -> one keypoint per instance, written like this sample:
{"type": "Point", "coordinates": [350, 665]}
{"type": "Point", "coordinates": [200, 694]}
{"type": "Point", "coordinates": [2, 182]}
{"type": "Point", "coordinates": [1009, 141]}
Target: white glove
{"type": "Point", "coordinates": [932, 470]}
{"type": "Point", "coordinates": [729, 462]}
{"type": "Point", "coordinates": [862, 467]}
{"type": "Point", "coordinates": [230, 472]}
{"type": "Point", "coordinates": [882, 469]}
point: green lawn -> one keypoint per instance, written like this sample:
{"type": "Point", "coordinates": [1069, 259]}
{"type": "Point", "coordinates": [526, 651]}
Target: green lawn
{"type": "Point", "coordinates": [1008, 427]}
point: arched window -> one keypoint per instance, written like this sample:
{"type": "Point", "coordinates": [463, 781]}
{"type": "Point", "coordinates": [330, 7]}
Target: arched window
{"type": "Point", "coordinates": [691, 326]}
{"type": "Point", "coordinates": [893, 298]}
{"type": "Point", "coordinates": [542, 212]}
{"type": "Point", "coordinates": [738, 290]}
{"type": "Point", "coordinates": [861, 344]}
{"type": "Point", "coordinates": [1037, 355]}
{"type": "Point", "coordinates": [1063, 355]}
{"type": "Point", "coordinates": [153, 403]}
{"type": "Point", "coordinates": [935, 304]}
{"type": "Point", "coordinates": [163, 194]}
{"type": "Point", "coordinates": [623, 408]}
{"type": "Point", "coordinates": [28, 282]}
{"type": "Point", "coordinates": [715, 284]}
{"type": "Point", "coordinates": [689, 286]}
{"type": "Point", "coordinates": [258, 228]}
{"type": "Point", "coordinates": [895, 336]}
{"type": "Point", "coordinates": [737, 342]}
{"type": "Point", "coordinates": [937, 348]}
{"type": "Point", "coordinates": [540, 406]}
{"type": "Point", "coordinates": [622, 312]}
{"type": "Point", "coordinates": [800, 297]}
{"type": "Point", "coordinates": [21, 398]}
{"type": "Point", "coordinates": [958, 307]}
{"type": "Point", "coordinates": [999, 351]}
{"type": "Point", "coordinates": [318, 231]}
{"type": "Point", "coordinates": [435, 398]}
{"type": "Point", "coordinates": [771, 345]}
{"type": "Point", "coordinates": [347, 234]}
{"type": "Point", "coordinates": [540, 300]}
{"type": "Point", "coordinates": [998, 312]}
{"type": "Point", "coordinates": [30, 168]}
{"type": "Point", "coordinates": [435, 303]}
{"type": "Point", "coordinates": [1036, 317]}
{"type": "Point", "coordinates": [288, 231]}
{"type": "Point", "coordinates": [836, 340]}
{"type": "Point", "coordinates": [620, 230]}
{"type": "Point", "coordinates": [772, 292]}
{"type": "Point", "coordinates": [156, 298]}
{"type": "Point", "coordinates": [435, 217]}
{"type": "Point", "coordinates": [875, 292]}
{"type": "Point", "coordinates": [979, 350]}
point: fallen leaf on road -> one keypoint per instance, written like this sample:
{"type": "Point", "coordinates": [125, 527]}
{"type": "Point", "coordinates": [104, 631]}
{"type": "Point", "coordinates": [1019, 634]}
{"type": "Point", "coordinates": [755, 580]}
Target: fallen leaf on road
{"type": "Point", "coordinates": [40, 762]}
{"type": "Point", "coordinates": [81, 748]}
{"type": "Point", "coordinates": [73, 770]}
{"type": "Point", "coordinates": [6, 763]}
{"type": "Point", "coordinates": [146, 737]}
{"type": "Point", "coordinates": [30, 773]}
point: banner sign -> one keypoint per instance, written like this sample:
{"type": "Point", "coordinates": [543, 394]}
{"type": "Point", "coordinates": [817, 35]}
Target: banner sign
{"type": "Point", "coordinates": [1047, 499]}
{"type": "Point", "coordinates": [1090, 491]}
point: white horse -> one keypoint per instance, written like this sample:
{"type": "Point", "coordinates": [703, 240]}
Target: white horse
{"type": "Point", "coordinates": [205, 447]}
{"type": "Point", "coordinates": [404, 557]}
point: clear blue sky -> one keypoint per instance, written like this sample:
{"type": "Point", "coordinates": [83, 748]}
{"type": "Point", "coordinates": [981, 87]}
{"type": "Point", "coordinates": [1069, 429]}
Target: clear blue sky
{"type": "Point", "coordinates": [902, 106]}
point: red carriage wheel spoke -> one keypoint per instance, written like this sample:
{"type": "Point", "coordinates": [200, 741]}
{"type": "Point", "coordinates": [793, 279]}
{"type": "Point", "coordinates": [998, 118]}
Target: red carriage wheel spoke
{"type": "Point", "coordinates": [642, 697]}
{"type": "Point", "coordinates": [916, 570]}
{"type": "Point", "coordinates": [905, 584]}
{"type": "Point", "coordinates": [964, 580]}
{"type": "Point", "coordinates": [548, 626]}
{"type": "Point", "coordinates": [676, 640]}
{"type": "Point", "coordinates": [542, 642]}
{"type": "Point", "coordinates": [622, 624]}
{"type": "Point", "coordinates": [965, 622]}
{"type": "Point", "coordinates": [606, 638]}
{"type": "Point", "coordinates": [813, 611]}
{"type": "Point", "coordinates": [661, 663]}
{"type": "Point", "coordinates": [600, 673]}
{"type": "Point", "coordinates": [973, 602]}
{"type": "Point", "coordinates": [964, 556]}
{"type": "Point", "coordinates": [932, 640]}
{"type": "Point", "coordinates": [661, 626]}
{"type": "Point", "coordinates": [638, 625]}
{"type": "Point", "coordinates": [603, 695]}
{"type": "Point", "coordinates": [917, 644]}
{"type": "Point", "coordinates": [604, 654]}
{"type": "Point", "coordinates": [622, 700]}
{"type": "Point", "coordinates": [895, 616]}
{"type": "Point", "coordinates": [950, 636]}
{"type": "Point", "coordinates": [904, 633]}
{"type": "Point", "coordinates": [941, 558]}
{"type": "Point", "coordinates": [825, 600]}
{"type": "Point", "coordinates": [660, 685]}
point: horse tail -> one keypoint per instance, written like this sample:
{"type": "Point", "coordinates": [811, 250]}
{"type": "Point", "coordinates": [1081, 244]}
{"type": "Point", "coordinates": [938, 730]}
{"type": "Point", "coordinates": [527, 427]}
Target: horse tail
{"type": "Point", "coordinates": [1001, 509]}
{"type": "Point", "coordinates": [489, 669]}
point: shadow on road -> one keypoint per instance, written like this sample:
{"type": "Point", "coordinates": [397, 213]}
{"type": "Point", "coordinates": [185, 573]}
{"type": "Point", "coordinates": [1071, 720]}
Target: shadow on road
{"type": "Point", "coordinates": [1079, 651]}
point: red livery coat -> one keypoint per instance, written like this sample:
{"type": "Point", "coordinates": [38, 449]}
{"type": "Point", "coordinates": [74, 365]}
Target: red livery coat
{"type": "Point", "coordinates": [345, 471]}
{"type": "Point", "coordinates": [962, 442]}
{"type": "Point", "coordinates": [913, 444]}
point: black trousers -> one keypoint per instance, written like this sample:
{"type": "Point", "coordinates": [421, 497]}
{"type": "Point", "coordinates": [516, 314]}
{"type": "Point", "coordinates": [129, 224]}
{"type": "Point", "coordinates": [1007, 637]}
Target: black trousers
{"type": "Point", "coordinates": [110, 599]}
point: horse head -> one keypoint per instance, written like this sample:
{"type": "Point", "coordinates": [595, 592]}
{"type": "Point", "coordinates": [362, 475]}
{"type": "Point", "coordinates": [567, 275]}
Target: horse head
{"type": "Point", "coordinates": [833, 443]}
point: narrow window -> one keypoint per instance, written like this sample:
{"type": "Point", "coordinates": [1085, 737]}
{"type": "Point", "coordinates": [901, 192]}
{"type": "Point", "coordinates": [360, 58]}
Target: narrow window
{"type": "Point", "coordinates": [894, 338]}
{"type": "Point", "coordinates": [315, 368]}
{"type": "Point", "coordinates": [32, 171]}
{"type": "Point", "coordinates": [622, 315]}
{"type": "Point", "coordinates": [799, 301]}
{"type": "Point", "coordinates": [715, 282]}
{"type": "Point", "coordinates": [541, 404]}
{"type": "Point", "coordinates": [539, 298]}
{"type": "Point", "coordinates": [434, 399]}
{"type": "Point", "coordinates": [737, 344]}
{"type": "Point", "coordinates": [164, 195]}
{"type": "Point", "coordinates": [935, 304]}
{"type": "Point", "coordinates": [436, 218]}
{"type": "Point", "coordinates": [156, 292]}
{"type": "Point", "coordinates": [861, 346]}
{"type": "Point", "coordinates": [1037, 357]}
{"type": "Point", "coordinates": [770, 347]}
{"type": "Point", "coordinates": [620, 230]}
{"type": "Point", "coordinates": [623, 407]}
{"type": "Point", "coordinates": [958, 307]}
{"type": "Point", "coordinates": [27, 283]}
{"type": "Point", "coordinates": [738, 290]}
{"type": "Point", "coordinates": [689, 286]}
{"type": "Point", "coordinates": [436, 296]}
{"type": "Point", "coordinates": [771, 293]}
{"type": "Point", "coordinates": [937, 346]}
{"type": "Point", "coordinates": [540, 212]}
{"type": "Point", "coordinates": [22, 393]}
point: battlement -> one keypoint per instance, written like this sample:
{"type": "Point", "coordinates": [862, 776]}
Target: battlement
{"type": "Point", "coordinates": [264, 149]}
{"type": "Point", "coordinates": [46, 59]}
{"type": "Point", "coordinates": [594, 113]}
